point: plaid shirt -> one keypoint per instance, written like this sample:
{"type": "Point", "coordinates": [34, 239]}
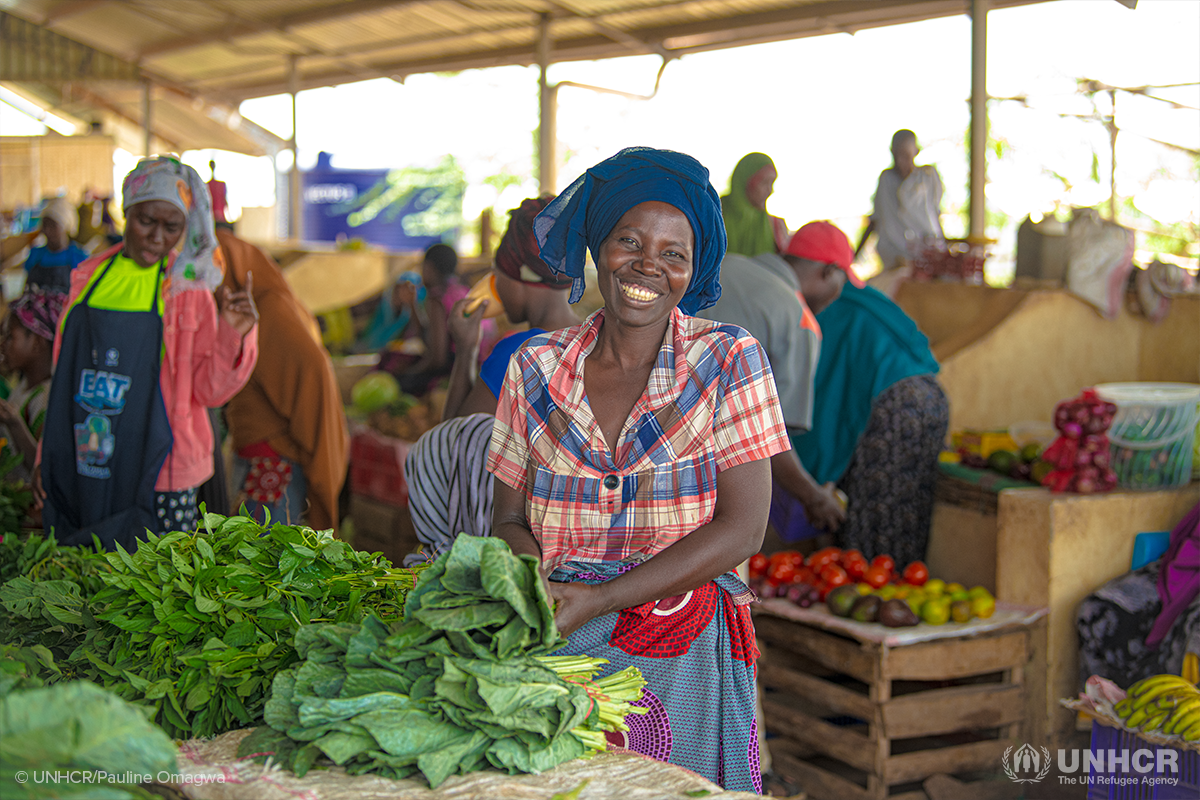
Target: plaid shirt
{"type": "Point", "coordinates": [710, 404]}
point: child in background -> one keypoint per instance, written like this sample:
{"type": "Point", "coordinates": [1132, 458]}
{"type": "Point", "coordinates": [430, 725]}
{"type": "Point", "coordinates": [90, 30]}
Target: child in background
{"type": "Point", "coordinates": [26, 345]}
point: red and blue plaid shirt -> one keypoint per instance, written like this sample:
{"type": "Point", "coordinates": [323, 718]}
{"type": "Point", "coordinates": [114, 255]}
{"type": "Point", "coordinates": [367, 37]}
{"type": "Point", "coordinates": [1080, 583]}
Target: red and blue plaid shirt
{"type": "Point", "coordinates": [710, 404]}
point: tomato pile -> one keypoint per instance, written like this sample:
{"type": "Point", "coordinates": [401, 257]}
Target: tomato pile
{"type": "Point", "coordinates": [805, 581]}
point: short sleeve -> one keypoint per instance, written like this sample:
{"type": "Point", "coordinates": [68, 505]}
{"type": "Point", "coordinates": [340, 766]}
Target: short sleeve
{"type": "Point", "coordinates": [749, 421]}
{"type": "Point", "coordinates": [508, 453]}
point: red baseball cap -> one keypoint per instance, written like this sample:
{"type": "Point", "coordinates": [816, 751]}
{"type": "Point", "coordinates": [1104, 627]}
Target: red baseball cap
{"type": "Point", "coordinates": [824, 243]}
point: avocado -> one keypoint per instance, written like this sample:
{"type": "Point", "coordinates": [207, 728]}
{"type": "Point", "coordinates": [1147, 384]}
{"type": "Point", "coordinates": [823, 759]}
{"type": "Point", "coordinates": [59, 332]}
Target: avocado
{"type": "Point", "coordinates": [897, 614]}
{"type": "Point", "coordinates": [1002, 461]}
{"type": "Point", "coordinates": [866, 609]}
{"type": "Point", "coordinates": [841, 600]}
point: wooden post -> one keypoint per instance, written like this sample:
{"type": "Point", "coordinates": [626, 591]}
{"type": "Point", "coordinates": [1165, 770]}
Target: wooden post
{"type": "Point", "coordinates": [147, 88]}
{"type": "Point", "coordinates": [979, 120]}
{"type": "Point", "coordinates": [294, 176]}
{"type": "Point", "coordinates": [547, 112]}
{"type": "Point", "coordinates": [485, 234]}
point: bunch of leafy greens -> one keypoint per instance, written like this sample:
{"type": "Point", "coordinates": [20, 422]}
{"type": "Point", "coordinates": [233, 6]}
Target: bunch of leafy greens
{"type": "Point", "coordinates": [15, 496]}
{"type": "Point", "coordinates": [78, 726]}
{"type": "Point", "coordinates": [195, 625]}
{"type": "Point", "coordinates": [462, 684]}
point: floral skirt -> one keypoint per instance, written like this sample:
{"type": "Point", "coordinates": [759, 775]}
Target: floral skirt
{"type": "Point", "coordinates": [697, 653]}
{"type": "Point", "coordinates": [891, 479]}
{"type": "Point", "coordinates": [1113, 623]}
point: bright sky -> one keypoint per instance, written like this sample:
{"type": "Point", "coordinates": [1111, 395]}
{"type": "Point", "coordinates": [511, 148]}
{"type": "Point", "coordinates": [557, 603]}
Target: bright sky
{"type": "Point", "coordinates": [823, 108]}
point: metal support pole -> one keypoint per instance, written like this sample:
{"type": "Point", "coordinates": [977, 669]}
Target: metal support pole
{"type": "Point", "coordinates": [979, 119]}
{"type": "Point", "coordinates": [547, 112]}
{"type": "Point", "coordinates": [294, 176]}
{"type": "Point", "coordinates": [147, 87]}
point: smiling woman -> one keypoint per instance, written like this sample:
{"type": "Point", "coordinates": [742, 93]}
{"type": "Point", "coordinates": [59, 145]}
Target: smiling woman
{"type": "Point", "coordinates": [631, 456]}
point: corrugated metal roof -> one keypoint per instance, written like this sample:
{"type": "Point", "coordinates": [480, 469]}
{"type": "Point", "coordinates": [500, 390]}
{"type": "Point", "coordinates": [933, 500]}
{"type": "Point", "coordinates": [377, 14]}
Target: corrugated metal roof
{"type": "Point", "coordinates": [236, 49]}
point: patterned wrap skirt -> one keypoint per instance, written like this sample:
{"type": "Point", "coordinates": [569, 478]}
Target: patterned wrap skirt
{"type": "Point", "coordinates": [697, 653]}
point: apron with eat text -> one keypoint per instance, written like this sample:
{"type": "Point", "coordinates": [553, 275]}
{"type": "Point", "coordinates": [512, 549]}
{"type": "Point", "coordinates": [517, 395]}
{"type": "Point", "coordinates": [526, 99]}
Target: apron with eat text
{"type": "Point", "coordinates": [106, 434]}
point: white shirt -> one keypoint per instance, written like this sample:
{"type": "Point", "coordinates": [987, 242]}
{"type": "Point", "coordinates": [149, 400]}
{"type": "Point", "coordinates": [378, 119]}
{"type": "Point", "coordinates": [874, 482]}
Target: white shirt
{"type": "Point", "coordinates": [906, 211]}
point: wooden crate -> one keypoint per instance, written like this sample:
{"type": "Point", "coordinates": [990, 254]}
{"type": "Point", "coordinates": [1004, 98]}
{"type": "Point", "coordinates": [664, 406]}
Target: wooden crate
{"type": "Point", "coordinates": [853, 720]}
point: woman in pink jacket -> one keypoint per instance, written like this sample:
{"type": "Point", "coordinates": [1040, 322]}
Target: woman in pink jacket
{"type": "Point", "coordinates": [141, 351]}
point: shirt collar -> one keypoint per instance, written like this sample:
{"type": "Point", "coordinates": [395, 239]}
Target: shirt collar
{"type": "Point", "coordinates": [667, 379]}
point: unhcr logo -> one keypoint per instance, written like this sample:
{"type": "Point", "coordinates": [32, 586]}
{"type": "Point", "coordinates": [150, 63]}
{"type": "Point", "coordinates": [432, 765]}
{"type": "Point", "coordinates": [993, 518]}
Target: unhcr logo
{"type": "Point", "coordinates": [1025, 762]}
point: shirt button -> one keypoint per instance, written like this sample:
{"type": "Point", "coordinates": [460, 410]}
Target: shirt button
{"type": "Point", "coordinates": [611, 482]}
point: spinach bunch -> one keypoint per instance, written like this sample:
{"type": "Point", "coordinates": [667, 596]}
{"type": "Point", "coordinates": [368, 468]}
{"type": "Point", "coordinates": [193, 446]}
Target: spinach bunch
{"type": "Point", "coordinates": [78, 726]}
{"type": "Point", "coordinates": [462, 684]}
{"type": "Point", "coordinates": [15, 496]}
{"type": "Point", "coordinates": [196, 624]}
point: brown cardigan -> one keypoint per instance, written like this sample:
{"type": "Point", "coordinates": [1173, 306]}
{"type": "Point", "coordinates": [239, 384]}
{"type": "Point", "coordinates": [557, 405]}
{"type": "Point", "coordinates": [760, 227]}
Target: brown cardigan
{"type": "Point", "coordinates": [292, 400]}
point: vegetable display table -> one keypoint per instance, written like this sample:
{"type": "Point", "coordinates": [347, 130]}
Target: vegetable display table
{"type": "Point", "coordinates": [856, 711]}
{"type": "Point", "coordinates": [211, 770]}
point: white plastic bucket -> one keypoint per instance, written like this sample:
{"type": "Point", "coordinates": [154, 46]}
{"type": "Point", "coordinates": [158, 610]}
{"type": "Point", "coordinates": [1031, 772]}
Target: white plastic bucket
{"type": "Point", "coordinates": [1153, 432]}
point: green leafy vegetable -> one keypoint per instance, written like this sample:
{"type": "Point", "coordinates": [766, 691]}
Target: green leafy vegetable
{"type": "Point", "coordinates": [463, 683]}
{"type": "Point", "coordinates": [195, 625]}
{"type": "Point", "coordinates": [78, 726]}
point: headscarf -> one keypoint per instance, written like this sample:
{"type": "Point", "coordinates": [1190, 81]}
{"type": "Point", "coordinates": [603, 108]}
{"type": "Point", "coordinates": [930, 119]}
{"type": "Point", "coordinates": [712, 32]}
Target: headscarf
{"type": "Point", "coordinates": [59, 210]}
{"type": "Point", "coordinates": [39, 310]}
{"type": "Point", "coordinates": [748, 227]}
{"type": "Point", "coordinates": [200, 264]}
{"type": "Point", "coordinates": [583, 216]}
{"type": "Point", "coordinates": [517, 256]}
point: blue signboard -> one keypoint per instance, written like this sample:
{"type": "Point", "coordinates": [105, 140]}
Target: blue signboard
{"type": "Point", "coordinates": [400, 209]}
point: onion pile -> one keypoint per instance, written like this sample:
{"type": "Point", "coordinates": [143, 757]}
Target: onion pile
{"type": "Point", "coordinates": [1080, 455]}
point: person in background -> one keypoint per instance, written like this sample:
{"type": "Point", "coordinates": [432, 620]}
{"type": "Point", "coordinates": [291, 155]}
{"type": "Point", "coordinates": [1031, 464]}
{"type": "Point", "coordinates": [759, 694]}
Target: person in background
{"type": "Point", "coordinates": [631, 456]}
{"type": "Point", "coordinates": [751, 230]}
{"type": "Point", "coordinates": [26, 342]}
{"type": "Point", "coordinates": [50, 265]}
{"type": "Point", "coordinates": [288, 427]}
{"type": "Point", "coordinates": [449, 490]}
{"type": "Point", "coordinates": [775, 298]}
{"type": "Point", "coordinates": [217, 191]}
{"type": "Point", "coordinates": [879, 421]}
{"type": "Point", "coordinates": [908, 203]}
{"type": "Point", "coordinates": [1146, 622]}
{"type": "Point", "coordinates": [443, 289]}
{"type": "Point", "coordinates": [398, 316]}
{"type": "Point", "coordinates": [142, 351]}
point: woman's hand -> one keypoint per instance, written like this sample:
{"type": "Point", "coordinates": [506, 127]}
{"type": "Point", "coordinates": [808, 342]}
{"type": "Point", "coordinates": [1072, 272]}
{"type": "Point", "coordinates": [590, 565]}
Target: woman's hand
{"type": "Point", "coordinates": [823, 509]}
{"type": "Point", "coordinates": [464, 328]}
{"type": "Point", "coordinates": [576, 604]}
{"type": "Point", "coordinates": [237, 308]}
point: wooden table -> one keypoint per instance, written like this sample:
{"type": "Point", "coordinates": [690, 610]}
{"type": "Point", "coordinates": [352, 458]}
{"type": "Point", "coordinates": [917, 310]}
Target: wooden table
{"type": "Point", "coordinates": [858, 711]}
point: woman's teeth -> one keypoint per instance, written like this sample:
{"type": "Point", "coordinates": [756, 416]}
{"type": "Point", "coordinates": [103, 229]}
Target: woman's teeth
{"type": "Point", "coordinates": [638, 292]}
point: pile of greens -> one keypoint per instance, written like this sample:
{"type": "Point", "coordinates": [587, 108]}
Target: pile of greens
{"type": "Point", "coordinates": [462, 684]}
{"type": "Point", "coordinates": [196, 624]}
{"type": "Point", "coordinates": [78, 726]}
{"type": "Point", "coordinates": [15, 496]}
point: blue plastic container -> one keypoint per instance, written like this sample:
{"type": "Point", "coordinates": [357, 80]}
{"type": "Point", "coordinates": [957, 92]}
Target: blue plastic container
{"type": "Point", "coordinates": [1149, 547]}
{"type": "Point", "coordinates": [1130, 784]}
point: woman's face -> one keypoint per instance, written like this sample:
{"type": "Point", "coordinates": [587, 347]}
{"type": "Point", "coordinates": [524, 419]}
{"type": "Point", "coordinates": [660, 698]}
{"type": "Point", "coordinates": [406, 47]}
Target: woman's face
{"type": "Point", "coordinates": [152, 229]}
{"type": "Point", "coordinates": [645, 264]}
{"type": "Point", "coordinates": [760, 186]}
{"type": "Point", "coordinates": [56, 237]}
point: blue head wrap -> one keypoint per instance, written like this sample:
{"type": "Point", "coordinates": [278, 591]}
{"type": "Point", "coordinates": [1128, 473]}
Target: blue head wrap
{"type": "Point", "coordinates": [583, 216]}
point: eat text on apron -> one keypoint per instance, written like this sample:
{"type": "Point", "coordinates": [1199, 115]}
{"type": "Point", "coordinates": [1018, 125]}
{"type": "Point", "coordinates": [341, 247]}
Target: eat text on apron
{"type": "Point", "coordinates": [106, 434]}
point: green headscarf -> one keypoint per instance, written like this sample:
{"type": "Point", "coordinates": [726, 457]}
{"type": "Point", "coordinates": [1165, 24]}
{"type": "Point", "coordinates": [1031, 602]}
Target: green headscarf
{"type": "Point", "coordinates": [749, 229]}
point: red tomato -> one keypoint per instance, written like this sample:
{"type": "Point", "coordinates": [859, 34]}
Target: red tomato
{"type": "Point", "coordinates": [823, 557]}
{"type": "Point", "coordinates": [805, 575]}
{"type": "Point", "coordinates": [781, 572]}
{"type": "Point", "coordinates": [796, 557]}
{"type": "Point", "coordinates": [887, 562]}
{"type": "Point", "coordinates": [877, 576]}
{"type": "Point", "coordinates": [834, 576]}
{"type": "Point", "coordinates": [916, 573]}
{"type": "Point", "coordinates": [758, 565]}
{"type": "Point", "coordinates": [823, 589]}
{"type": "Point", "coordinates": [855, 565]}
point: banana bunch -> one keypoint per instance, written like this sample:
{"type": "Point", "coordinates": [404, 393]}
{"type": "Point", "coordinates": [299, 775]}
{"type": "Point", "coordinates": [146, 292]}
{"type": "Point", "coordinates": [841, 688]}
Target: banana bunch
{"type": "Point", "coordinates": [1167, 704]}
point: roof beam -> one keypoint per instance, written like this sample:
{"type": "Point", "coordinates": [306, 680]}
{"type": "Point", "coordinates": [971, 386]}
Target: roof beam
{"type": "Point", "coordinates": [284, 23]}
{"type": "Point", "coordinates": [62, 11]}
